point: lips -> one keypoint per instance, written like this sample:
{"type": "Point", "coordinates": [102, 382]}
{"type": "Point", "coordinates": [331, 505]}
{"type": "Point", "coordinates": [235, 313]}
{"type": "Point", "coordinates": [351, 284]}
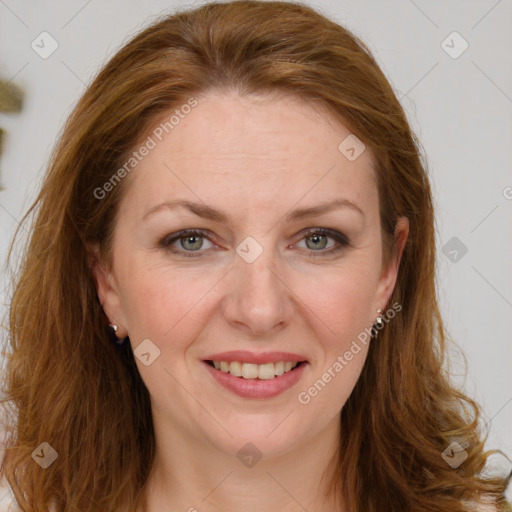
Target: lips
{"type": "Point", "coordinates": [256, 375]}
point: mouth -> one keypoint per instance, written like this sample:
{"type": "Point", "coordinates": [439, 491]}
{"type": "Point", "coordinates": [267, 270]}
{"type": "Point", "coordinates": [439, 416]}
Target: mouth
{"type": "Point", "coordinates": [267, 371]}
{"type": "Point", "coordinates": [255, 381]}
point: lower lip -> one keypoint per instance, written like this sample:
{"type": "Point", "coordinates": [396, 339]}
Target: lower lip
{"type": "Point", "coordinates": [257, 388]}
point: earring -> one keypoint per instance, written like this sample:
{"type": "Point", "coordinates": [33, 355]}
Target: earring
{"type": "Point", "coordinates": [119, 342]}
{"type": "Point", "coordinates": [379, 324]}
{"type": "Point", "coordinates": [379, 321]}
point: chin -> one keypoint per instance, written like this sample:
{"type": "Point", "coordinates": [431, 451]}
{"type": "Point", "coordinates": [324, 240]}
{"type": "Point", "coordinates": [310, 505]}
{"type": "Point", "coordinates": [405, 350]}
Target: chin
{"type": "Point", "coordinates": [267, 437]}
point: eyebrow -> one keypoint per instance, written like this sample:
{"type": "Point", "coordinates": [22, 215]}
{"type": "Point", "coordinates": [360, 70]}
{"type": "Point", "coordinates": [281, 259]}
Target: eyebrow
{"type": "Point", "coordinates": [207, 212]}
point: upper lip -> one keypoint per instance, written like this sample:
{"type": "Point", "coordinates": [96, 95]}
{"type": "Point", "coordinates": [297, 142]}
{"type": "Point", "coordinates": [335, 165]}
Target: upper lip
{"type": "Point", "coordinates": [245, 356]}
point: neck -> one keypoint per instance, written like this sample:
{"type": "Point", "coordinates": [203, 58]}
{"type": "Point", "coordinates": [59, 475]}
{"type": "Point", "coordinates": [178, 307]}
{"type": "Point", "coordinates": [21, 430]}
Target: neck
{"type": "Point", "coordinates": [190, 475]}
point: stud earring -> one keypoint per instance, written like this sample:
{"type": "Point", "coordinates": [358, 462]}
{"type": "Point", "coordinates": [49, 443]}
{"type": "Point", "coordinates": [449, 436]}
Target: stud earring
{"type": "Point", "coordinates": [379, 321]}
{"type": "Point", "coordinates": [379, 324]}
{"type": "Point", "coordinates": [119, 342]}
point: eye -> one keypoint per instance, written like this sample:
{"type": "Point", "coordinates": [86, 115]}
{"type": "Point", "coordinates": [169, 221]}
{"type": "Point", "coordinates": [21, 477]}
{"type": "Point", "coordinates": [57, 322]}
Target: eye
{"type": "Point", "coordinates": [316, 241]}
{"type": "Point", "coordinates": [190, 240]}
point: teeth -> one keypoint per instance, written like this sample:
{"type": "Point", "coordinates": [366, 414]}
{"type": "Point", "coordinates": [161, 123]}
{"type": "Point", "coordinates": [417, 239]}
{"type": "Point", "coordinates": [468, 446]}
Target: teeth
{"type": "Point", "coordinates": [255, 371]}
{"type": "Point", "coordinates": [235, 369]}
{"type": "Point", "coordinates": [249, 371]}
{"type": "Point", "coordinates": [266, 371]}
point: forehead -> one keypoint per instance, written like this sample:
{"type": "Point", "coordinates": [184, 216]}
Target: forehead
{"type": "Point", "coordinates": [250, 150]}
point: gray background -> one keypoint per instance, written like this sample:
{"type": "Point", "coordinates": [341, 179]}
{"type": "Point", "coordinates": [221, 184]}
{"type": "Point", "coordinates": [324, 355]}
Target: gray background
{"type": "Point", "coordinates": [459, 107]}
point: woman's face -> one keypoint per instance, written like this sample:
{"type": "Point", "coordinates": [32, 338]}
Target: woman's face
{"type": "Point", "coordinates": [257, 280]}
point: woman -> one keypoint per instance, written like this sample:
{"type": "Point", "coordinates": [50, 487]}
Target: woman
{"type": "Point", "coordinates": [228, 298]}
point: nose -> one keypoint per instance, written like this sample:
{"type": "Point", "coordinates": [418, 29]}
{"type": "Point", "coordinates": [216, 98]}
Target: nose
{"type": "Point", "coordinates": [258, 299]}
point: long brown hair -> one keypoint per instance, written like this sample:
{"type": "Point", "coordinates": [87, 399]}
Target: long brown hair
{"type": "Point", "coordinates": [72, 388]}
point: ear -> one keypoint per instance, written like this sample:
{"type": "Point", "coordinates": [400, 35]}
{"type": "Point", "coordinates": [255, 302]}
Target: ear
{"type": "Point", "coordinates": [107, 291]}
{"type": "Point", "coordinates": [389, 273]}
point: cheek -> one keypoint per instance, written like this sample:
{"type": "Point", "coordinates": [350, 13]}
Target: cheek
{"type": "Point", "coordinates": [340, 300]}
{"type": "Point", "coordinates": [160, 301]}
{"type": "Point", "coordinates": [339, 313]}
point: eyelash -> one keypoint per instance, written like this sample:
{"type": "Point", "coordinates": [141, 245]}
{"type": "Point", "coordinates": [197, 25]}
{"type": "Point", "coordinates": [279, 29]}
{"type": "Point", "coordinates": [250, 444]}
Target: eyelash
{"type": "Point", "coordinates": [340, 238]}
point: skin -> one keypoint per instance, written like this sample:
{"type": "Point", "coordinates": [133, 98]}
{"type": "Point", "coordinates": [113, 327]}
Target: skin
{"type": "Point", "coordinates": [255, 158]}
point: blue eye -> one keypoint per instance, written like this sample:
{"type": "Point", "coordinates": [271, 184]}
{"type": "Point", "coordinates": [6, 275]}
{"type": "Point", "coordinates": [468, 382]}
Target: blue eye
{"type": "Point", "coordinates": [192, 241]}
